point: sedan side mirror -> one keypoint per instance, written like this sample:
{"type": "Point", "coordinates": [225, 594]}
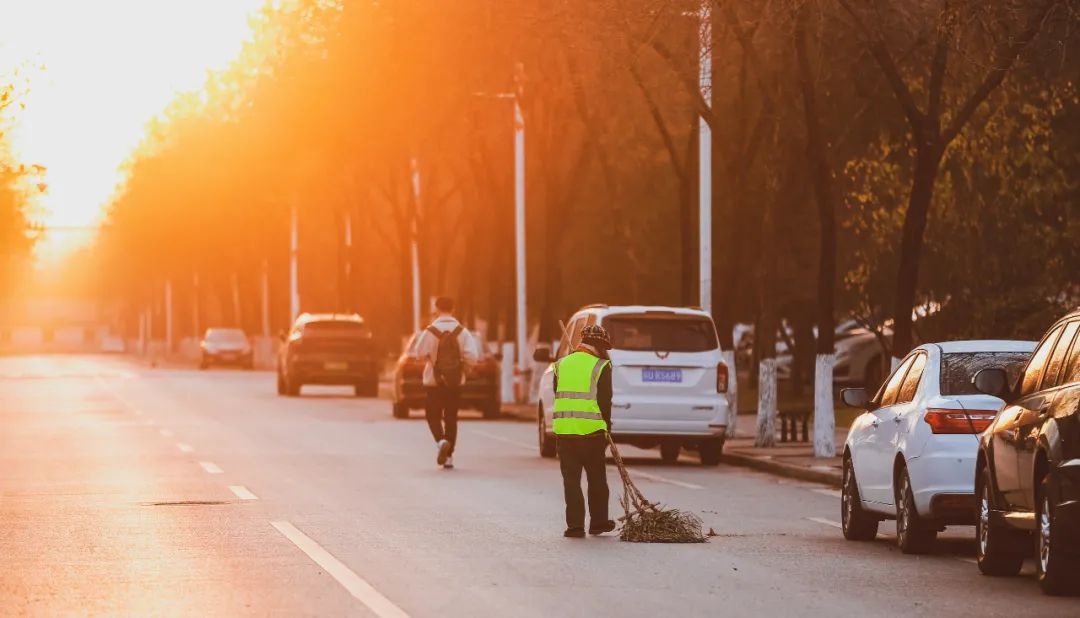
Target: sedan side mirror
{"type": "Point", "coordinates": [992, 381]}
{"type": "Point", "coordinates": [542, 355]}
{"type": "Point", "coordinates": [855, 398]}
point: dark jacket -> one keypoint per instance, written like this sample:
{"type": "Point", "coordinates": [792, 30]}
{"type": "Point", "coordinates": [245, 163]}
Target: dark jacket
{"type": "Point", "coordinates": [603, 390]}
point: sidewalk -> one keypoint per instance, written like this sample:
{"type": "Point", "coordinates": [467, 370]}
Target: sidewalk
{"type": "Point", "coordinates": [790, 459]}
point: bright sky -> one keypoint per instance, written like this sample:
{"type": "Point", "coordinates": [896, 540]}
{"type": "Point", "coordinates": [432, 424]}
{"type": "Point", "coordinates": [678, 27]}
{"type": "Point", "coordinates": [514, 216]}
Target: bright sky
{"type": "Point", "coordinates": [106, 68]}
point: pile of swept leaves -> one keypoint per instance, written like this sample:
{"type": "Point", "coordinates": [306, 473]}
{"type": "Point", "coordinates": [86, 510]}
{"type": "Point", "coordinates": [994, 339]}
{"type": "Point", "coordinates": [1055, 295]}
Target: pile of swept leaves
{"type": "Point", "coordinates": [646, 522]}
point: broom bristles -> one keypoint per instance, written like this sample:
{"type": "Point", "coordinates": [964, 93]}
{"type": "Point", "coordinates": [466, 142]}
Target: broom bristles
{"type": "Point", "coordinates": [646, 522]}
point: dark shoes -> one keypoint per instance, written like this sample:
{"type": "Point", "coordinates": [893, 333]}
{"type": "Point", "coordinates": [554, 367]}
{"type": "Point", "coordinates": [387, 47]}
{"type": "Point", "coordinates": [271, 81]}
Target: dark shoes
{"type": "Point", "coordinates": [574, 533]}
{"type": "Point", "coordinates": [602, 527]}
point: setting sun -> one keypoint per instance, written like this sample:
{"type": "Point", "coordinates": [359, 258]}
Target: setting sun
{"type": "Point", "coordinates": [95, 73]}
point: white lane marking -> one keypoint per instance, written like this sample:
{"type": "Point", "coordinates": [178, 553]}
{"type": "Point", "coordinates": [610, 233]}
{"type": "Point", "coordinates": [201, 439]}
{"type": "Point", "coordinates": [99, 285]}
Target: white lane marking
{"type": "Point", "coordinates": [967, 560]}
{"type": "Point", "coordinates": [502, 439]}
{"type": "Point", "coordinates": [662, 479]}
{"type": "Point", "coordinates": [184, 448]}
{"type": "Point", "coordinates": [356, 585]}
{"type": "Point", "coordinates": [827, 522]}
{"type": "Point", "coordinates": [165, 432]}
{"type": "Point", "coordinates": [242, 492]}
{"type": "Point", "coordinates": [210, 467]}
{"type": "Point", "coordinates": [832, 493]}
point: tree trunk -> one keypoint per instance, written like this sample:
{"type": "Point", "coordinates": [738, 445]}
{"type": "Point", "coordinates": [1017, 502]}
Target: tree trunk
{"type": "Point", "coordinates": [927, 159]}
{"type": "Point", "coordinates": [817, 153]}
{"type": "Point", "coordinates": [765, 333]}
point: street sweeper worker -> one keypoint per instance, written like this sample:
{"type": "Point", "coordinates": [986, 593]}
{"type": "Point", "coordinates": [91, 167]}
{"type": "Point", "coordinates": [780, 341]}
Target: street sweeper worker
{"type": "Point", "coordinates": [582, 416]}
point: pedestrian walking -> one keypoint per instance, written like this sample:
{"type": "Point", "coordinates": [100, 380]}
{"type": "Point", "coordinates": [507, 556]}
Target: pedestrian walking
{"type": "Point", "coordinates": [449, 350]}
{"type": "Point", "coordinates": [582, 416]}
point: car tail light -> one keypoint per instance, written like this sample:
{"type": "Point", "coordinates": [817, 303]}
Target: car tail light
{"type": "Point", "coordinates": [721, 378]}
{"type": "Point", "coordinates": [959, 421]}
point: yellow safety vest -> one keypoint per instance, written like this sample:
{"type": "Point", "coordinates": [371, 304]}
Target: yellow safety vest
{"type": "Point", "coordinates": [577, 412]}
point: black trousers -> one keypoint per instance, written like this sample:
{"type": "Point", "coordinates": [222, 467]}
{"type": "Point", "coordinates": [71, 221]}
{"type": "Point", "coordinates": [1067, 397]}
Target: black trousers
{"type": "Point", "coordinates": [577, 453]}
{"type": "Point", "coordinates": [442, 413]}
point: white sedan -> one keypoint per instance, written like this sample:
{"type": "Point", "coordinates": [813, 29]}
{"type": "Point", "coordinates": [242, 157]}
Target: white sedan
{"type": "Point", "coordinates": [911, 454]}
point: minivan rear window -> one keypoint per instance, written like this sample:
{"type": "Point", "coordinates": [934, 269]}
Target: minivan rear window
{"type": "Point", "coordinates": [341, 328]}
{"type": "Point", "coordinates": [957, 369]}
{"type": "Point", "coordinates": [665, 333]}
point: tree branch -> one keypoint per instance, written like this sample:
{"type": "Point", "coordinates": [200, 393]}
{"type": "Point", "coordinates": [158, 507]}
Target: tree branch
{"type": "Point", "coordinates": [880, 52]}
{"type": "Point", "coordinates": [661, 126]}
{"type": "Point", "coordinates": [1005, 61]}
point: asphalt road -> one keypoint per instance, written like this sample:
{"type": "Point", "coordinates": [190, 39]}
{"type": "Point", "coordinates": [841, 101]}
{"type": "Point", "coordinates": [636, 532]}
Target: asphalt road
{"type": "Point", "coordinates": [133, 491]}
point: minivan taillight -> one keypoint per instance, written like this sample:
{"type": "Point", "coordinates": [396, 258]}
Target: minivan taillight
{"type": "Point", "coordinates": [959, 421]}
{"type": "Point", "coordinates": [721, 378]}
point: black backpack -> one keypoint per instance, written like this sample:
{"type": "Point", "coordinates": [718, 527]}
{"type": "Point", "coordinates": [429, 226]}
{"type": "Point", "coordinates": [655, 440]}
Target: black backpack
{"type": "Point", "coordinates": [449, 363]}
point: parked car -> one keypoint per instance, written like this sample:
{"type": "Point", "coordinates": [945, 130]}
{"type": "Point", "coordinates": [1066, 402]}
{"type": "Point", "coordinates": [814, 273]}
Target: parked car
{"type": "Point", "coordinates": [1028, 467]}
{"type": "Point", "coordinates": [481, 390]}
{"type": "Point", "coordinates": [225, 346]}
{"type": "Point", "coordinates": [859, 358]}
{"type": "Point", "coordinates": [667, 376]}
{"type": "Point", "coordinates": [323, 348]}
{"type": "Point", "coordinates": [911, 454]}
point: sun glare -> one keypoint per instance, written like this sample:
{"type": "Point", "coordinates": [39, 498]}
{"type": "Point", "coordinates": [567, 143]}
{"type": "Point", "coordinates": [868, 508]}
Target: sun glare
{"type": "Point", "coordinates": [96, 73]}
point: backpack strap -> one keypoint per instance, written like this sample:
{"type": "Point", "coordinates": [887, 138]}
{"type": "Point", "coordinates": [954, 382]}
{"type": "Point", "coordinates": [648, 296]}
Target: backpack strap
{"type": "Point", "coordinates": [434, 331]}
{"type": "Point", "coordinates": [458, 330]}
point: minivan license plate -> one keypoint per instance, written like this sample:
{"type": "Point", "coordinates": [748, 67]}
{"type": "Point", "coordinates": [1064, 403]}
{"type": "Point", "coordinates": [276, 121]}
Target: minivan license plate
{"type": "Point", "coordinates": [652, 374]}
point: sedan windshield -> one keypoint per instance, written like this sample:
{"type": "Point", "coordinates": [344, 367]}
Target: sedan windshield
{"type": "Point", "coordinates": [226, 335]}
{"type": "Point", "coordinates": [665, 333]}
{"type": "Point", "coordinates": [958, 368]}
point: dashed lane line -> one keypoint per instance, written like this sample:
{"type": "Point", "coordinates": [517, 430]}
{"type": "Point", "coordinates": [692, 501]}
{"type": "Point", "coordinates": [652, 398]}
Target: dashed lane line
{"type": "Point", "coordinates": [827, 522]}
{"type": "Point", "coordinates": [499, 438]}
{"type": "Point", "coordinates": [242, 492]}
{"type": "Point", "coordinates": [184, 448]}
{"type": "Point", "coordinates": [832, 493]}
{"type": "Point", "coordinates": [356, 585]}
{"type": "Point", "coordinates": [210, 467]}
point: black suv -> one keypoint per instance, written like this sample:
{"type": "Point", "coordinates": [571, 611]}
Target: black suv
{"type": "Point", "coordinates": [328, 349]}
{"type": "Point", "coordinates": [1027, 473]}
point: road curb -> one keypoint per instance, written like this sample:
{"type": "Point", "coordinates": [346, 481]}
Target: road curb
{"type": "Point", "coordinates": [801, 473]}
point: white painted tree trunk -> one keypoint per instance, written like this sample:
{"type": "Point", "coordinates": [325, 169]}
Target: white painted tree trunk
{"type": "Point", "coordinates": [766, 413]}
{"type": "Point", "coordinates": [824, 411]}
{"type": "Point", "coordinates": [728, 358]}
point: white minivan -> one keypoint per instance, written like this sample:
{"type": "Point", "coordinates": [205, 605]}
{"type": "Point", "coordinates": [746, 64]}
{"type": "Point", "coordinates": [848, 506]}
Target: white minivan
{"type": "Point", "coordinates": [668, 379]}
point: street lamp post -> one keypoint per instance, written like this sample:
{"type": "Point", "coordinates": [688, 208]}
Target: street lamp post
{"type": "Point", "coordinates": [414, 248]}
{"type": "Point", "coordinates": [705, 160]}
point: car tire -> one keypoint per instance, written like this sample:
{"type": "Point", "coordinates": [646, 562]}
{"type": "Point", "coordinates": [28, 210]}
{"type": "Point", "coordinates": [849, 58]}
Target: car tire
{"type": "Point", "coordinates": [492, 410]}
{"type": "Point", "coordinates": [400, 410]}
{"type": "Point", "coordinates": [669, 452]}
{"type": "Point", "coordinates": [545, 440]}
{"type": "Point", "coordinates": [367, 388]}
{"type": "Point", "coordinates": [999, 550]}
{"type": "Point", "coordinates": [1055, 568]}
{"type": "Point", "coordinates": [857, 524]}
{"type": "Point", "coordinates": [914, 535]}
{"type": "Point", "coordinates": [709, 451]}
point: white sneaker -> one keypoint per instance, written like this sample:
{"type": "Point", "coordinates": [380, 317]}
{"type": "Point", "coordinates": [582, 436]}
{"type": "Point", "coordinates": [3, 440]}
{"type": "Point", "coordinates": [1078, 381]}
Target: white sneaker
{"type": "Point", "coordinates": [443, 452]}
{"type": "Point", "coordinates": [449, 463]}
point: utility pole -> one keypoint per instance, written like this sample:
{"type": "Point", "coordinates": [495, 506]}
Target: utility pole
{"type": "Point", "coordinates": [705, 161]}
{"type": "Point", "coordinates": [168, 317]}
{"type": "Point", "coordinates": [294, 271]}
{"type": "Point", "coordinates": [414, 247]}
{"type": "Point", "coordinates": [195, 304]}
{"type": "Point", "coordinates": [347, 293]}
{"type": "Point", "coordinates": [519, 231]}
{"type": "Point", "coordinates": [265, 299]}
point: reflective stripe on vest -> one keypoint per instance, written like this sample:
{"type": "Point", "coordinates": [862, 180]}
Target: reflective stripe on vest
{"type": "Point", "coordinates": [577, 411]}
